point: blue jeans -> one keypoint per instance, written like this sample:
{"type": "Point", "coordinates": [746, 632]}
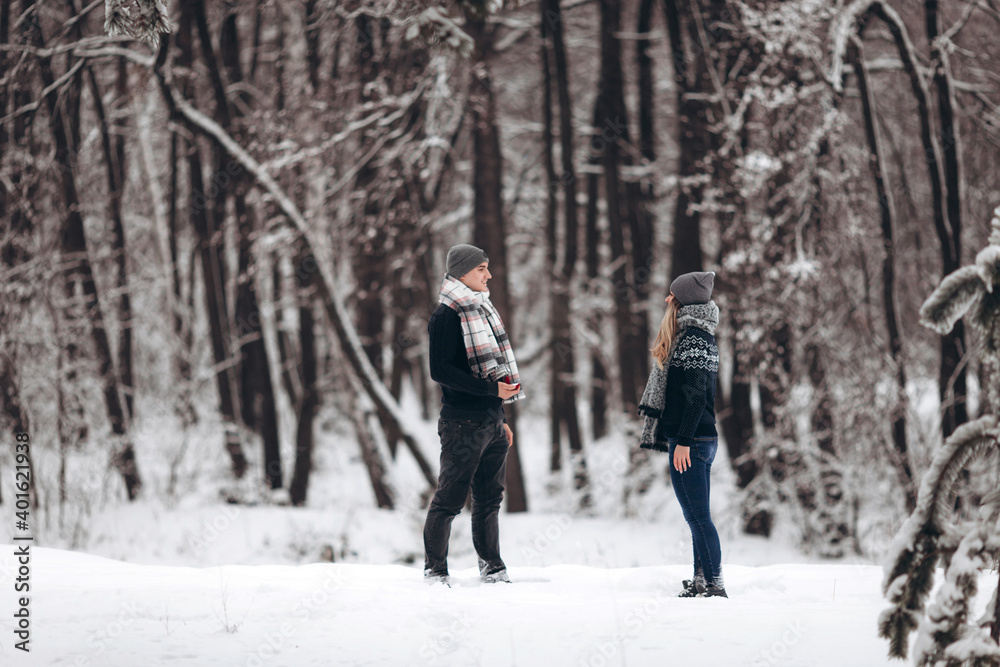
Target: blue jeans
{"type": "Point", "coordinates": [692, 490]}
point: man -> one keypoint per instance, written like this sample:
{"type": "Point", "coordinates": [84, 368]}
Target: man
{"type": "Point", "coordinates": [471, 358]}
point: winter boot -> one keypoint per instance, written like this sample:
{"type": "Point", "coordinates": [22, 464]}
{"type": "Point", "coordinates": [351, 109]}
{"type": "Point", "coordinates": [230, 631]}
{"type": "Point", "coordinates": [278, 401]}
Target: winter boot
{"type": "Point", "coordinates": [693, 587]}
{"type": "Point", "coordinates": [492, 574]}
{"type": "Point", "coordinates": [437, 578]}
{"type": "Point", "coordinates": [715, 590]}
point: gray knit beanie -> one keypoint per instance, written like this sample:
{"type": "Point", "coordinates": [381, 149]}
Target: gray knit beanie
{"type": "Point", "coordinates": [692, 288]}
{"type": "Point", "coordinates": [462, 258]}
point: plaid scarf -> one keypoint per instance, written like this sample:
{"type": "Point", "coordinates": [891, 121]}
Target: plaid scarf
{"type": "Point", "coordinates": [486, 343]}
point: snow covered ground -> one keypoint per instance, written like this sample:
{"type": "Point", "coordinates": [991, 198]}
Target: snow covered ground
{"type": "Point", "coordinates": [88, 610]}
{"type": "Point", "coordinates": [185, 579]}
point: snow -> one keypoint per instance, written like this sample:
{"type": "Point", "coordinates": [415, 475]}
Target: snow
{"type": "Point", "coordinates": [88, 610]}
{"type": "Point", "coordinates": [186, 579]}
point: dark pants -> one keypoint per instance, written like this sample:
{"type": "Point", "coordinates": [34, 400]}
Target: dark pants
{"type": "Point", "coordinates": [473, 454]}
{"type": "Point", "coordinates": [692, 489]}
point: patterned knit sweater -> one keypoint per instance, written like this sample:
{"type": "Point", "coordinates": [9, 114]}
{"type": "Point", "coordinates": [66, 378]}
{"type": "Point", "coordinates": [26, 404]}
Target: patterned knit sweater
{"type": "Point", "coordinates": [689, 410]}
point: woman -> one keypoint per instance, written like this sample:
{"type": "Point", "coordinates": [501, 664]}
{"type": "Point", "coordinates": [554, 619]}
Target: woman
{"type": "Point", "coordinates": [679, 406]}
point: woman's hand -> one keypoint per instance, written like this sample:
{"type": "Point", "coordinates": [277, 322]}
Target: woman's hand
{"type": "Point", "coordinates": [510, 435]}
{"type": "Point", "coordinates": [682, 458]}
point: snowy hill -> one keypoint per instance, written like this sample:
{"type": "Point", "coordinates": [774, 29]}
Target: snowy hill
{"type": "Point", "coordinates": [88, 610]}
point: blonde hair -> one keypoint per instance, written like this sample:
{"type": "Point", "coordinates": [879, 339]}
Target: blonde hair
{"type": "Point", "coordinates": [665, 336]}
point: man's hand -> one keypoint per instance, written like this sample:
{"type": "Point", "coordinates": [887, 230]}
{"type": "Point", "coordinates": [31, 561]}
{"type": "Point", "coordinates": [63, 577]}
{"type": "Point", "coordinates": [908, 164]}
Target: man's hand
{"type": "Point", "coordinates": [508, 390]}
{"type": "Point", "coordinates": [510, 435]}
{"type": "Point", "coordinates": [682, 458]}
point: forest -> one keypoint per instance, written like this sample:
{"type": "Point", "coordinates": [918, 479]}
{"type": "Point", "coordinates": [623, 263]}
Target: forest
{"type": "Point", "coordinates": [223, 227]}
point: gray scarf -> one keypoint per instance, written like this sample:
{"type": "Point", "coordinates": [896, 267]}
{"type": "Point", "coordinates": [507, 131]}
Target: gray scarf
{"type": "Point", "coordinates": [703, 316]}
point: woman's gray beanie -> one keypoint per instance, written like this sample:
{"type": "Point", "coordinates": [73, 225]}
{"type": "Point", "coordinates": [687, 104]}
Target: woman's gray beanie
{"type": "Point", "coordinates": [462, 258]}
{"type": "Point", "coordinates": [692, 288]}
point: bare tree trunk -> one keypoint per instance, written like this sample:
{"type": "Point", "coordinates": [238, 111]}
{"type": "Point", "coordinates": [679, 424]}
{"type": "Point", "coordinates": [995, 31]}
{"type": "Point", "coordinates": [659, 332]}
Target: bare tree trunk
{"type": "Point", "coordinates": [403, 304]}
{"type": "Point", "coordinates": [114, 157]}
{"type": "Point", "coordinates": [182, 367]}
{"type": "Point", "coordinates": [563, 377]}
{"type": "Point", "coordinates": [4, 67]}
{"type": "Point", "coordinates": [78, 270]}
{"type": "Point", "coordinates": [881, 178]}
{"type": "Point", "coordinates": [257, 402]}
{"type": "Point", "coordinates": [489, 232]}
{"type": "Point", "coordinates": [19, 226]}
{"type": "Point", "coordinates": [6, 383]}
{"type": "Point", "coordinates": [13, 253]}
{"type": "Point", "coordinates": [592, 235]}
{"type": "Point", "coordinates": [366, 424]}
{"type": "Point", "coordinates": [952, 378]}
{"type": "Point", "coordinates": [612, 126]}
{"type": "Point", "coordinates": [13, 410]}
{"type": "Point", "coordinates": [288, 357]}
{"type": "Point", "coordinates": [943, 164]}
{"type": "Point", "coordinates": [309, 401]}
{"type": "Point", "coordinates": [693, 108]}
{"type": "Point", "coordinates": [556, 405]}
{"type": "Point", "coordinates": [211, 256]}
{"type": "Point", "coordinates": [311, 20]}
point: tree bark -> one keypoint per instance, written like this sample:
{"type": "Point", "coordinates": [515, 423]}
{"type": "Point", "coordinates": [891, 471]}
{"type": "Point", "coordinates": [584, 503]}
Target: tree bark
{"type": "Point", "coordinates": [368, 236]}
{"type": "Point", "coordinates": [114, 158]}
{"type": "Point", "coordinates": [489, 232]}
{"type": "Point", "coordinates": [563, 363]}
{"type": "Point", "coordinates": [595, 320]}
{"type": "Point", "coordinates": [257, 402]}
{"type": "Point", "coordinates": [78, 270]}
{"type": "Point", "coordinates": [952, 377]}
{"type": "Point", "coordinates": [612, 128]}
{"type": "Point", "coordinates": [693, 109]}
{"type": "Point", "coordinates": [888, 222]}
{"type": "Point", "coordinates": [211, 262]}
{"type": "Point", "coordinates": [556, 405]}
{"type": "Point", "coordinates": [943, 165]}
{"type": "Point", "coordinates": [309, 402]}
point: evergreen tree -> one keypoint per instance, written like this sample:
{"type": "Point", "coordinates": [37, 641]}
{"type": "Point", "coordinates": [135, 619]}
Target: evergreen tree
{"type": "Point", "coordinates": [945, 634]}
{"type": "Point", "coordinates": [148, 23]}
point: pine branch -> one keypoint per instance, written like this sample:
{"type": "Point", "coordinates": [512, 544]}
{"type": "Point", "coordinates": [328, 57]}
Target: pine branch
{"type": "Point", "coordinates": [985, 319]}
{"type": "Point", "coordinates": [988, 265]}
{"type": "Point", "coordinates": [152, 21]}
{"type": "Point", "coordinates": [927, 535]}
{"type": "Point", "coordinates": [117, 20]}
{"type": "Point", "coordinates": [946, 636]}
{"type": "Point", "coordinates": [995, 224]}
{"type": "Point", "coordinates": [953, 297]}
{"type": "Point", "coordinates": [147, 26]}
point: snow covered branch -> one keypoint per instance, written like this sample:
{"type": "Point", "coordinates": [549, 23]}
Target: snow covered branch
{"type": "Point", "coordinates": [953, 297]}
{"type": "Point", "coordinates": [147, 25]}
{"type": "Point", "coordinates": [946, 637]}
{"type": "Point", "coordinates": [334, 307]}
{"type": "Point", "coordinates": [927, 535]}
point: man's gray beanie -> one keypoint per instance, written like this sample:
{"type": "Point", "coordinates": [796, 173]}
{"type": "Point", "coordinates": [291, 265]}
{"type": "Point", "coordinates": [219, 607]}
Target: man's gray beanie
{"type": "Point", "coordinates": [692, 288]}
{"type": "Point", "coordinates": [462, 258]}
